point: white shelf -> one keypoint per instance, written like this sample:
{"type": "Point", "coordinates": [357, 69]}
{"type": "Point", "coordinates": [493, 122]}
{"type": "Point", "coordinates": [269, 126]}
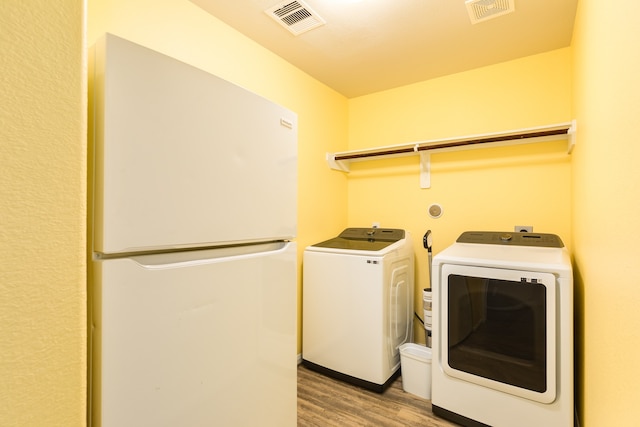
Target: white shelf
{"type": "Point", "coordinates": [342, 159]}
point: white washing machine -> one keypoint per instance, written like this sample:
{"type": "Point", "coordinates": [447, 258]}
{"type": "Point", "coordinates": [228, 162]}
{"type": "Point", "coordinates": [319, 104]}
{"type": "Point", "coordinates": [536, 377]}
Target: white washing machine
{"type": "Point", "coordinates": [357, 305]}
{"type": "Point", "coordinates": [503, 331]}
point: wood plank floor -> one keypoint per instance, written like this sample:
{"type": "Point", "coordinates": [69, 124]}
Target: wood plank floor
{"type": "Point", "coordinates": [325, 402]}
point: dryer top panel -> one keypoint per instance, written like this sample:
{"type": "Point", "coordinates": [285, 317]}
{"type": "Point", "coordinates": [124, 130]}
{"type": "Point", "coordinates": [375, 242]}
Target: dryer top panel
{"type": "Point", "coordinates": [364, 239]}
{"type": "Point", "coordinates": [540, 240]}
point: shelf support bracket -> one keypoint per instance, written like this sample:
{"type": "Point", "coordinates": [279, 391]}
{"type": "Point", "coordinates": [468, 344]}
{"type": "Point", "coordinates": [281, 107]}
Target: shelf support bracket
{"type": "Point", "coordinates": [338, 165]}
{"type": "Point", "coordinates": [571, 136]}
{"type": "Point", "coordinates": [425, 169]}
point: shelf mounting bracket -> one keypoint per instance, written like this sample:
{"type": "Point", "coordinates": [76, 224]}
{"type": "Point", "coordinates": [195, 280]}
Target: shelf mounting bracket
{"type": "Point", "coordinates": [425, 169]}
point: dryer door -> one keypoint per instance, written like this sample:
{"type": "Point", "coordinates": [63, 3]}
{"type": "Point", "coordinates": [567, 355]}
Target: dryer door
{"type": "Point", "coordinates": [498, 329]}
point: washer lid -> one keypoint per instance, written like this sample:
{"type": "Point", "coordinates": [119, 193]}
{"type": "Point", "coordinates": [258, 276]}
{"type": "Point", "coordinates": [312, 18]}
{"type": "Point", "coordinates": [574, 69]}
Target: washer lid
{"type": "Point", "coordinates": [364, 239]}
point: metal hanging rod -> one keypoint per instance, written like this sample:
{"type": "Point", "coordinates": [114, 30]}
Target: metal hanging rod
{"type": "Point", "coordinates": [453, 144]}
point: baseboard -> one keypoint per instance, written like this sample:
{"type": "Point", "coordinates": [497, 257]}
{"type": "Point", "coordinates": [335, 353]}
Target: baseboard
{"type": "Point", "coordinates": [299, 358]}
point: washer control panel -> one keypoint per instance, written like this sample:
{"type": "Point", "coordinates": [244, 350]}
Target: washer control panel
{"type": "Point", "coordinates": [383, 234]}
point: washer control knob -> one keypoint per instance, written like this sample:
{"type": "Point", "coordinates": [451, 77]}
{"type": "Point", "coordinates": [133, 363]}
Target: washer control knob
{"type": "Point", "coordinates": [505, 237]}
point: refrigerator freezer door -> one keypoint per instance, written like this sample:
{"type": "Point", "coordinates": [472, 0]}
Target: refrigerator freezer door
{"type": "Point", "coordinates": [183, 158]}
{"type": "Point", "coordinates": [198, 342]}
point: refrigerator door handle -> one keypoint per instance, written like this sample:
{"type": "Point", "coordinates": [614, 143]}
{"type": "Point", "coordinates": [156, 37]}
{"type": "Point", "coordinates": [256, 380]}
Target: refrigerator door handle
{"type": "Point", "coordinates": [161, 261]}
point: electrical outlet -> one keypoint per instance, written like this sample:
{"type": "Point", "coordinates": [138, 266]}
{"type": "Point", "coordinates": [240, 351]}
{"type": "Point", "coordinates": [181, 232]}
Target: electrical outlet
{"type": "Point", "coordinates": [523, 228]}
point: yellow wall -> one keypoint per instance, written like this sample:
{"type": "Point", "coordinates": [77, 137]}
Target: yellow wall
{"type": "Point", "coordinates": [482, 189]}
{"type": "Point", "coordinates": [42, 213]}
{"type": "Point", "coordinates": [42, 190]}
{"type": "Point", "coordinates": [606, 204]}
{"type": "Point", "coordinates": [182, 30]}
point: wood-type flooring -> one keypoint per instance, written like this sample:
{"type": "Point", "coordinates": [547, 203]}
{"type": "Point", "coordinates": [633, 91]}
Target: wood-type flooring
{"type": "Point", "coordinates": [326, 402]}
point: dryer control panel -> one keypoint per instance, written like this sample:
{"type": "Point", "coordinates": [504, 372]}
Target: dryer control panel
{"type": "Point", "coordinates": [542, 240]}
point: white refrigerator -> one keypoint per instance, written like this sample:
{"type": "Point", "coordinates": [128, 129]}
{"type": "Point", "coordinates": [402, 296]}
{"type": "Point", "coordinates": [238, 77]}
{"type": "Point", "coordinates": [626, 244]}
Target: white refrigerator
{"type": "Point", "coordinates": [192, 282]}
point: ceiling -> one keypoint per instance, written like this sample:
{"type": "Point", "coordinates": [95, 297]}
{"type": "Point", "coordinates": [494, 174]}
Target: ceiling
{"type": "Point", "coordinates": [367, 46]}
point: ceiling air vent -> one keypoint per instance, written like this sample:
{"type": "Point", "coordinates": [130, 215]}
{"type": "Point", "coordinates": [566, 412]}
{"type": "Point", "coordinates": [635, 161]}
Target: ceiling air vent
{"type": "Point", "coordinates": [295, 16]}
{"type": "Point", "coordinates": [481, 10]}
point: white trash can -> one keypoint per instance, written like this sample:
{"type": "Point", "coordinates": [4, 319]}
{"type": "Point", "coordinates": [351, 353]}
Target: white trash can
{"type": "Point", "coordinates": [415, 362]}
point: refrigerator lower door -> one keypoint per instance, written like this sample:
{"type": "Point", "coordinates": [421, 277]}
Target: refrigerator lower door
{"type": "Point", "coordinates": [203, 338]}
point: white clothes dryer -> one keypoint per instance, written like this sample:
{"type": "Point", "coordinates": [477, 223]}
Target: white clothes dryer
{"type": "Point", "coordinates": [503, 331]}
{"type": "Point", "coordinates": [357, 307]}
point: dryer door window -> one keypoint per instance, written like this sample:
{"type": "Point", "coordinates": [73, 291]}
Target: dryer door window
{"type": "Point", "coordinates": [499, 329]}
